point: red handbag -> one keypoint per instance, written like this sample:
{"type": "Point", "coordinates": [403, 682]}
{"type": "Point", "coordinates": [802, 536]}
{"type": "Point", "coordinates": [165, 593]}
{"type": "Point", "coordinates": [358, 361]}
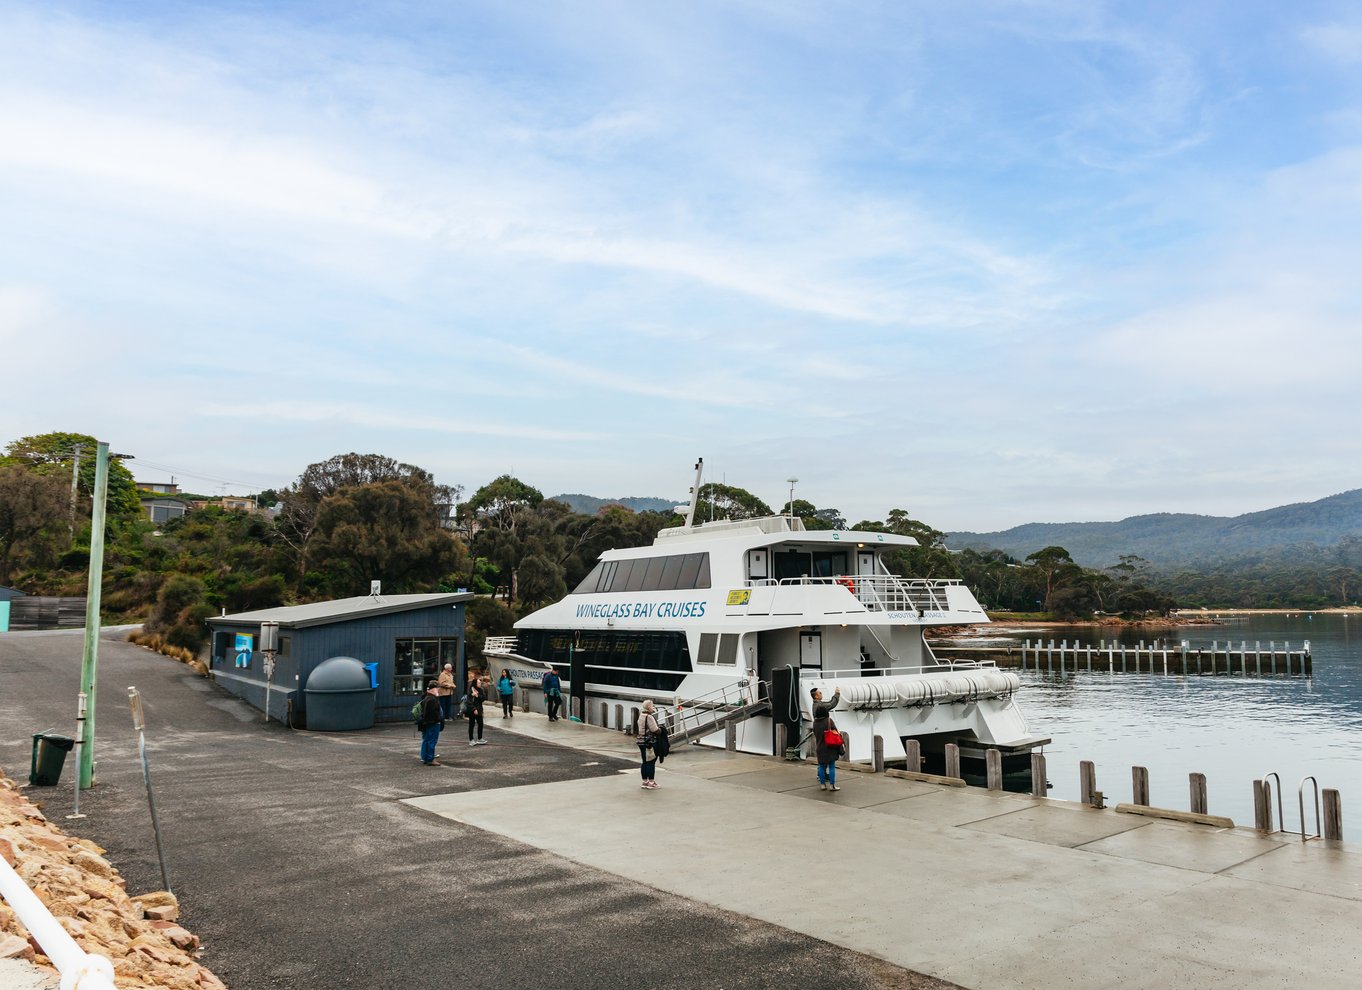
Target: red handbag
{"type": "Point", "coordinates": [831, 737]}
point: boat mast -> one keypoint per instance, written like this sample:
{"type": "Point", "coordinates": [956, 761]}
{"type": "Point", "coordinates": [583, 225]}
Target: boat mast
{"type": "Point", "coordinates": [695, 493]}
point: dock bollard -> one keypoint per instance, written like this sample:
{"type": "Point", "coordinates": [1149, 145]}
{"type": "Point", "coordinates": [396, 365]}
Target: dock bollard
{"type": "Point", "coordinates": [913, 750]}
{"type": "Point", "coordinates": [952, 760]}
{"type": "Point", "coordinates": [1262, 807]}
{"type": "Point", "coordinates": [1038, 781]}
{"type": "Point", "coordinates": [619, 719]}
{"type": "Point", "coordinates": [1139, 785]}
{"type": "Point", "coordinates": [993, 761]}
{"type": "Point", "coordinates": [877, 754]}
{"type": "Point", "coordinates": [1087, 781]}
{"type": "Point", "coordinates": [633, 721]}
{"type": "Point", "coordinates": [1333, 815]}
{"type": "Point", "coordinates": [1197, 785]}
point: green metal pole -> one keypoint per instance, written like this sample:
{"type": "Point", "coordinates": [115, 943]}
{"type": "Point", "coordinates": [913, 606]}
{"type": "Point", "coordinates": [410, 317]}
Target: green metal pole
{"type": "Point", "coordinates": [90, 661]}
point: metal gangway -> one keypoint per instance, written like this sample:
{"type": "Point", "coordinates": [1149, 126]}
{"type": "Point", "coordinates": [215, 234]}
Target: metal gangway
{"type": "Point", "coordinates": [692, 718]}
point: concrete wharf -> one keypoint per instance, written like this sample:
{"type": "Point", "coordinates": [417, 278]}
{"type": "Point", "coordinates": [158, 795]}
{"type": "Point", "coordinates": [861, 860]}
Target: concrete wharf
{"type": "Point", "coordinates": [989, 890]}
{"type": "Point", "coordinates": [1158, 657]}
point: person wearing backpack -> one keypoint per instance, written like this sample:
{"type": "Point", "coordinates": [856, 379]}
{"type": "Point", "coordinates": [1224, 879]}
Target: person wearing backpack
{"type": "Point", "coordinates": [429, 723]}
{"type": "Point", "coordinates": [828, 742]}
{"type": "Point", "coordinates": [506, 688]}
{"type": "Point", "coordinates": [472, 708]}
{"type": "Point", "coordinates": [648, 730]}
{"type": "Point", "coordinates": [553, 693]}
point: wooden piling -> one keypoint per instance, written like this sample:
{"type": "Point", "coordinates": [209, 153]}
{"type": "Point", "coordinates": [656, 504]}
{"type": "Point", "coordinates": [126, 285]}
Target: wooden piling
{"type": "Point", "coordinates": [1333, 815]}
{"type": "Point", "coordinates": [877, 753]}
{"type": "Point", "coordinates": [1139, 785]}
{"type": "Point", "coordinates": [1262, 806]}
{"type": "Point", "coordinates": [1038, 778]}
{"type": "Point", "coordinates": [633, 721]}
{"type": "Point", "coordinates": [1197, 786]}
{"type": "Point", "coordinates": [952, 760]}
{"type": "Point", "coordinates": [619, 718]}
{"type": "Point", "coordinates": [913, 751]}
{"type": "Point", "coordinates": [1087, 781]}
{"type": "Point", "coordinates": [731, 737]}
{"type": "Point", "coordinates": [782, 735]}
{"type": "Point", "coordinates": [993, 760]}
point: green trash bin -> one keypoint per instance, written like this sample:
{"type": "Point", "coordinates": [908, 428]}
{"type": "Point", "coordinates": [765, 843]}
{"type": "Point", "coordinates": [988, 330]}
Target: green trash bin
{"type": "Point", "coordinates": [49, 756]}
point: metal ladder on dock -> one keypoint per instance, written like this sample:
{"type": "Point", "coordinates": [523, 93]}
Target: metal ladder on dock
{"type": "Point", "coordinates": [1262, 802]}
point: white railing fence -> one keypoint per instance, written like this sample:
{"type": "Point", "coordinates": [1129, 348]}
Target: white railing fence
{"type": "Point", "coordinates": [80, 970]}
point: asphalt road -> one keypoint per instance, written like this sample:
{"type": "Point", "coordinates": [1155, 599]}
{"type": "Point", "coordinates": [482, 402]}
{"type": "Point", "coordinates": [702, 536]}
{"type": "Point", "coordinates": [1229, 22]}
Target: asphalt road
{"type": "Point", "coordinates": [298, 867]}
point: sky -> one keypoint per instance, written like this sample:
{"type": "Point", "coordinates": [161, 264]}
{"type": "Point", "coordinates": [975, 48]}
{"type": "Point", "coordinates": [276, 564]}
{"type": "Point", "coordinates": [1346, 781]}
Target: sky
{"type": "Point", "coordinates": [991, 263]}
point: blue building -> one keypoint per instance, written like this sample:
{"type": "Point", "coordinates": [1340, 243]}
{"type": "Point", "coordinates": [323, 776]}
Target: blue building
{"type": "Point", "coordinates": [406, 638]}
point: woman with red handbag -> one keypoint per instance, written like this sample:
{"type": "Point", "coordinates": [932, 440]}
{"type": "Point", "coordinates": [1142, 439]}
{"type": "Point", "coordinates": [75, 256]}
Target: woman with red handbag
{"type": "Point", "coordinates": [828, 741]}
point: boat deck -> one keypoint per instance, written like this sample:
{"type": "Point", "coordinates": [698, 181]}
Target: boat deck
{"type": "Point", "coordinates": [988, 890]}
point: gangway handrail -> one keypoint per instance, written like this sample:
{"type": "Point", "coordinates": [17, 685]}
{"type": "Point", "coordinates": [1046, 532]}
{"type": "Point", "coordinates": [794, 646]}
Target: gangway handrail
{"type": "Point", "coordinates": [80, 970]}
{"type": "Point", "coordinates": [716, 705]}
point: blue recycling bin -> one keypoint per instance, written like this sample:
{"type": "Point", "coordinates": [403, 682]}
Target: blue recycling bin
{"type": "Point", "coordinates": [372, 668]}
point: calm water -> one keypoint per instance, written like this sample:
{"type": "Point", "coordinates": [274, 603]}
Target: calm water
{"type": "Point", "coordinates": [1231, 729]}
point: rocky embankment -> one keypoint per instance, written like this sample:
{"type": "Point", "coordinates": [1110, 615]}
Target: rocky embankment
{"type": "Point", "coordinates": [139, 935]}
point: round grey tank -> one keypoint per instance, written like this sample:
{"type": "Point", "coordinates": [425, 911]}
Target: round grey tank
{"type": "Point", "coordinates": [338, 696]}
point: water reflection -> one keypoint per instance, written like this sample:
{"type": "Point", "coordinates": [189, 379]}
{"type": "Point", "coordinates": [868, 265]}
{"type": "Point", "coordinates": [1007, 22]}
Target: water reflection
{"type": "Point", "coordinates": [1232, 729]}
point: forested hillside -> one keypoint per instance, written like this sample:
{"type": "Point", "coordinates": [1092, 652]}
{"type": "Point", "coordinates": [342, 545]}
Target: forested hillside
{"type": "Point", "coordinates": [355, 518]}
{"type": "Point", "coordinates": [1179, 541]}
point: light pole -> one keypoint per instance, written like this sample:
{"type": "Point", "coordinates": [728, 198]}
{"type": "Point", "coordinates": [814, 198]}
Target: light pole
{"type": "Point", "coordinates": [792, 482]}
{"type": "Point", "coordinates": [89, 665]}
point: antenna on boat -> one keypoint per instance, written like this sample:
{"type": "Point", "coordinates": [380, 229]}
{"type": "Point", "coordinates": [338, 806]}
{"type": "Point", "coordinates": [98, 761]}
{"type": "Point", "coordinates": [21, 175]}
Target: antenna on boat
{"type": "Point", "coordinates": [695, 492]}
{"type": "Point", "coordinates": [792, 482]}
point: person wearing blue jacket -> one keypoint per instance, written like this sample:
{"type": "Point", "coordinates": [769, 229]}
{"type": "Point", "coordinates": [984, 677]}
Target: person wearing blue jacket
{"type": "Point", "coordinates": [506, 688]}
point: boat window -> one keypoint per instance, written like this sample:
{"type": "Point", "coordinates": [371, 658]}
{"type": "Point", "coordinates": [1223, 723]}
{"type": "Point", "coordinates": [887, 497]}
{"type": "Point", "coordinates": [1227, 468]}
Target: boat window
{"type": "Point", "coordinates": [690, 570]}
{"type": "Point", "coordinates": [652, 578]}
{"type": "Point", "coordinates": [793, 564]}
{"type": "Point", "coordinates": [671, 573]}
{"type": "Point", "coordinates": [590, 582]}
{"type": "Point", "coordinates": [607, 576]}
{"type": "Point", "coordinates": [623, 568]}
{"type": "Point", "coordinates": [828, 564]}
{"type": "Point", "coordinates": [708, 642]}
{"type": "Point", "coordinates": [702, 579]}
{"type": "Point", "coordinates": [636, 575]}
{"type": "Point", "coordinates": [728, 648]}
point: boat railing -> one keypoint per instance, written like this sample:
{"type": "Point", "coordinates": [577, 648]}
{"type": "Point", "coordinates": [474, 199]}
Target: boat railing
{"type": "Point", "coordinates": [499, 644]}
{"type": "Point", "coordinates": [942, 667]}
{"type": "Point", "coordinates": [879, 592]}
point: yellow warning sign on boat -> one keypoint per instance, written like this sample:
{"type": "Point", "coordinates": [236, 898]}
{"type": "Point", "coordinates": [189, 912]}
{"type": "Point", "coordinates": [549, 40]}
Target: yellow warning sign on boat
{"type": "Point", "coordinates": [740, 597]}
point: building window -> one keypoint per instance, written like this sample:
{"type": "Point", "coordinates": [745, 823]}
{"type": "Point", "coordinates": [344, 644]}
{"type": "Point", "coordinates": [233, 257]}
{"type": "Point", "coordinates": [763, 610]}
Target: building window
{"type": "Point", "coordinates": [418, 661]}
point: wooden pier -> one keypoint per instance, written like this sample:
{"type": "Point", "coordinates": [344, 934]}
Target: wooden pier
{"type": "Point", "coordinates": [1158, 657]}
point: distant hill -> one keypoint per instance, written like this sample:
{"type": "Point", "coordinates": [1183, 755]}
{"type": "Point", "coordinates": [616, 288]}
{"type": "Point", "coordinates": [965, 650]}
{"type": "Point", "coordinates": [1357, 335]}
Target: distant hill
{"type": "Point", "coordinates": [1179, 540]}
{"type": "Point", "coordinates": [590, 505]}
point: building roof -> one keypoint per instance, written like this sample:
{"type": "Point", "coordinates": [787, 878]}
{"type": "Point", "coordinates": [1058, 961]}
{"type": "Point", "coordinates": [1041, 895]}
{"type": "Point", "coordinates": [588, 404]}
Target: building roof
{"type": "Point", "coordinates": [340, 610]}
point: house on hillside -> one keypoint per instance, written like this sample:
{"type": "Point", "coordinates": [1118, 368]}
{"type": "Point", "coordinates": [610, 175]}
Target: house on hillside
{"type": "Point", "coordinates": [404, 641]}
{"type": "Point", "coordinates": [160, 508]}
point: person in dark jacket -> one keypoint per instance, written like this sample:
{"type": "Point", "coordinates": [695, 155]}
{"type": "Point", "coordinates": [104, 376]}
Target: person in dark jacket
{"type": "Point", "coordinates": [827, 755]}
{"type": "Point", "coordinates": [506, 688]}
{"type": "Point", "coordinates": [553, 693]}
{"type": "Point", "coordinates": [477, 694]}
{"type": "Point", "coordinates": [430, 723]}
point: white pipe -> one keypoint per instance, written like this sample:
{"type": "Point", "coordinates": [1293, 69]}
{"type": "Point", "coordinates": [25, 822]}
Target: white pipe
{"type": "Point", "coordinates": [80, 970]}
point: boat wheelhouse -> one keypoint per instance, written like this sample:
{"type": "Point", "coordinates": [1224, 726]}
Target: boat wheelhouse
{"type": "Point", "coordinates": [736, 621]}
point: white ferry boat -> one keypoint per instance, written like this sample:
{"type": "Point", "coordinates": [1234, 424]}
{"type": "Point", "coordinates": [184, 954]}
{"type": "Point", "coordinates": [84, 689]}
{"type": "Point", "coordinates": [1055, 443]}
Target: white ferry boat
{"type": "Point", "coordinates": [737, 621]}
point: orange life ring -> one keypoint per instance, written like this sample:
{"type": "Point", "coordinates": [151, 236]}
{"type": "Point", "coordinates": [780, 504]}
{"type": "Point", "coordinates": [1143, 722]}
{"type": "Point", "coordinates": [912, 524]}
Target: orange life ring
{"type": "Point", "coordinates": [847, 583]}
